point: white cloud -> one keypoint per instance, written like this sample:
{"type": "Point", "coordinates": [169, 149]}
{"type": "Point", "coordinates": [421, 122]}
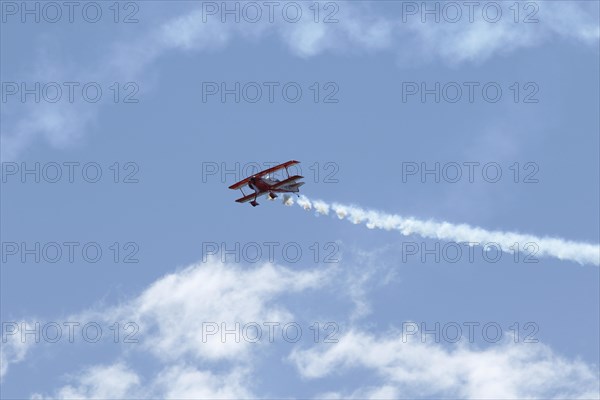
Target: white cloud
{"type": "Point", "coordinates": [371, 393]}
{"type": "Point", "coordinates": [185, 382]}
{"type": "Point", "coordinates": [114, 381]}
{"type": "Point", "coordinates": [410, 368]}
{"type": "Point", "coordinates": [172, 311]}
{"type": "Point", "coordinates": [358, 29]}
{"type": "Point", "coordinates": [13, 348]}
{"type": "Point", "coordinates": [118, 381]}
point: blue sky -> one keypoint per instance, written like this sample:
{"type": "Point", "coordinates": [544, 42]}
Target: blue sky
{"type": "Point", "coordinates": [372, 278]}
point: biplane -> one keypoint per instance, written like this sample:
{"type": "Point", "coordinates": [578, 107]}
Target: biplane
{"type": "Point", "coordinates": [263, 184]}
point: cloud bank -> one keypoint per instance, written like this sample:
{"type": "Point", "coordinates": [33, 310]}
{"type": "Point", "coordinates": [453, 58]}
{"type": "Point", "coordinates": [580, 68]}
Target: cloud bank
{"type": "Point", "coordinates": [170, 312]}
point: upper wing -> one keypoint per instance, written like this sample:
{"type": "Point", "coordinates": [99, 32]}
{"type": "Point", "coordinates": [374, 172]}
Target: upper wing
{"type": "Point", "coordinates": [291, 179]}
{"type": "Point", "coordinates": [264, 172]}
{"type": "Point", "coordinates": [240, 183]}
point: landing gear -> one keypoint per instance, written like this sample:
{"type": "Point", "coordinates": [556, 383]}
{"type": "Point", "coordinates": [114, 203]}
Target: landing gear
{"type": "Point", "coordinates": [254, 202]}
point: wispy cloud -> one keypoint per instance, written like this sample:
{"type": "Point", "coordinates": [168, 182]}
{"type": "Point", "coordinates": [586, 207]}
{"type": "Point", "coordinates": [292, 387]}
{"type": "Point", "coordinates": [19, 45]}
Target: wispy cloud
{"type": "Point", "coordinates": [409, 368]}
{"type": "Point", "coordinates": [120, 381]}
{"type": "Point", "coordinates": [362, 28]}
{"type": "Point", "coordinates": [13, 350]}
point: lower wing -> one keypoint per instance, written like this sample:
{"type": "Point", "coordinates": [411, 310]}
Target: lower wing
{"type": "Point", "coordinates": [250, 197]}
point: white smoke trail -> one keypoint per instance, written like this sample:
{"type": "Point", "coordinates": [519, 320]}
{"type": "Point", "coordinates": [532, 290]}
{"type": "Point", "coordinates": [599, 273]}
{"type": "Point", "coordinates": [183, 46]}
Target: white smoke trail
{"type": "Point", "coordinates": [288, 200]}
{"type": "Point", "coordinates": [583, 253]}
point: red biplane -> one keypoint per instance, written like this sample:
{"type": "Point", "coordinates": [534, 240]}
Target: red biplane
{"type": "Point", "coordinates": [262, 184]}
